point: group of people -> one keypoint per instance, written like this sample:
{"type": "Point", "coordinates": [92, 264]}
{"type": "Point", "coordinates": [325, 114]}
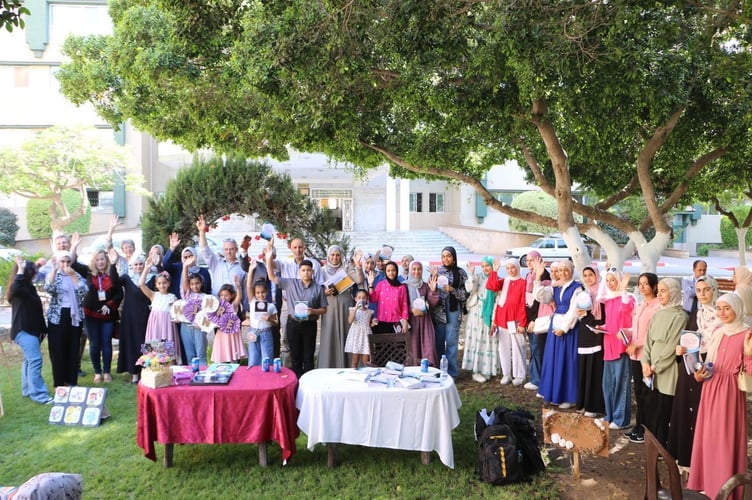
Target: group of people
{"type": "Point", "coordinates": [592, 343]}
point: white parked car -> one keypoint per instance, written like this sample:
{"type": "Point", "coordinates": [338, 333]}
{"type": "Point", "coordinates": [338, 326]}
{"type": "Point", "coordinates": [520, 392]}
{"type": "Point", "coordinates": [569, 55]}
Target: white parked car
{"type": "Point", "coordinates": [551, 248]}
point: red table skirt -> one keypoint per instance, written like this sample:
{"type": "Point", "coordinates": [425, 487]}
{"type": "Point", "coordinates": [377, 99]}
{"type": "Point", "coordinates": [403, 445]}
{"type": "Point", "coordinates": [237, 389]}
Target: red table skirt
{"type": "Point", "coordinates": [255, 407]}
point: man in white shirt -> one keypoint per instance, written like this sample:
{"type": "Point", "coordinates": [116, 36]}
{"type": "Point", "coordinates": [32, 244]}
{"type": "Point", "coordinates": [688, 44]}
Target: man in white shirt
{"type": "Point", "coordinates": [223, 270]}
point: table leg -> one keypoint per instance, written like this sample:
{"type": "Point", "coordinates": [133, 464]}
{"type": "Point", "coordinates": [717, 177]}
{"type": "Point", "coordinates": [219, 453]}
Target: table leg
{"type": "Point", "coordinates": [425, 457]}
{"type": "Point", "coordinates": [330, 459]}
{"type": "Point", "coordinates": [168, 449]}
{"type": "Point", "coordinates": [263, 456]}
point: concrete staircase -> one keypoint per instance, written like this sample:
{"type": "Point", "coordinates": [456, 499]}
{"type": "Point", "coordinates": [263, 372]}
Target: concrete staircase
{"type": "Point", "coordinates": [423, 245]}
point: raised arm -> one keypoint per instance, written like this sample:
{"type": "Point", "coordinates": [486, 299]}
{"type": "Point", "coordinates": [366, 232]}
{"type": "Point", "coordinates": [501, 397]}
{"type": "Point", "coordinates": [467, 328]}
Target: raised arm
{"type": "Point", "coordinates": [142, 280]}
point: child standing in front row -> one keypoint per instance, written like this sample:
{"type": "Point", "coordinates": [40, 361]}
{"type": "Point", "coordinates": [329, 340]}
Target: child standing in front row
{"type": "Point", "coordinates": [159, 327]}
{"type": "Point", "coordinates": [228, 342]}
{"type": "Point", "coordinates": [360, 327]}
{"type": "Point", "coordinates": [263, 316]}
{"type": "Point", "coordinates": [193, 337]}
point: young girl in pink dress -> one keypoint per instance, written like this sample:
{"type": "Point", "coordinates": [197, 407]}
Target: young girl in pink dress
{"type": "Point", "coordinates": [228, 341]}
{"type": "Point", "coordinates": [159, 327]}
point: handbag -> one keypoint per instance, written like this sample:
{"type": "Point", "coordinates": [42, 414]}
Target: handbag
{"type": "Point", "coordinates": [744, 380]}
{"type": "Point", "coordinates": [542, 324]}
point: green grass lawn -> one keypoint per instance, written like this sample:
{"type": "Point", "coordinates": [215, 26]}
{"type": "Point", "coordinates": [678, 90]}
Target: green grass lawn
{"type": "Point", "coordinates": [114, 467]}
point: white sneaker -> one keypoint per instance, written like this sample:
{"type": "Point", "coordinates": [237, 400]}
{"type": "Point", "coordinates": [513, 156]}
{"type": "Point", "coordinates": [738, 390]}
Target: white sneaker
{"type": "Point", "coordinates": [479, 378]}
{"type": "Point", "coordinates": [539, 395]}
{"type": "Point", "coordinates": [615, 426]}
{"type": "Point", "coordinates": [517, 381]}
{"type": "Point", "coordinates": [506, 379]}
{"type": "Point", "coordinates": [565, 406]}
{"type": "Point", "coordinates": [591, 414]}
{"type": "Point", "coordinates": [530, 386]}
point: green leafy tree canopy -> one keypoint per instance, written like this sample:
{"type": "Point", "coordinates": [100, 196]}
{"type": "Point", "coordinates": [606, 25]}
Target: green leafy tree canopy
{"type": "Point", "coordinates": [60, 159]}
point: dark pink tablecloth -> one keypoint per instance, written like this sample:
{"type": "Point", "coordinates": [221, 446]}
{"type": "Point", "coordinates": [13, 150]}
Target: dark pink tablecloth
{"type": "Point", "coordinates": [254, 407]}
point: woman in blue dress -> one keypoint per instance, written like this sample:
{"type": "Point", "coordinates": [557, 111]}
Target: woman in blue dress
{"type": "Point", "coordinates": [559, 370]}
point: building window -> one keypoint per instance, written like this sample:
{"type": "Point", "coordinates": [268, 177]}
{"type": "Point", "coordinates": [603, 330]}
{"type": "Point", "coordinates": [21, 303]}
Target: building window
{"type": "Point", "coordinates": [416, 202]}
{"type": "Point", "coordinates": [436, 202]}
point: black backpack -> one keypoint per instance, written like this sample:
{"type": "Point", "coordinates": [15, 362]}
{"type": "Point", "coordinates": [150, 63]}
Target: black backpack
{"type": "Point", "coordinates": [512, 431]}
{"type": "Point", "coordinates": [499, 457]}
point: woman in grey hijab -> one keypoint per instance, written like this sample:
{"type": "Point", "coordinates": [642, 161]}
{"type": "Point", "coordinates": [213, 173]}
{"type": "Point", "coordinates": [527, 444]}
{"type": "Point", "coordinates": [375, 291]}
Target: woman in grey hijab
{"type": "Point", "coordinates": [659, 367]}
{"type": "Point", "coordinates": [335, 324]}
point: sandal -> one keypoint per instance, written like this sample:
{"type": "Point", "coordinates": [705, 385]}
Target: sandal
{"type": "Point", "coordinates": [97, 378]}
{"type": "Point", "coordinates": [107, 378]}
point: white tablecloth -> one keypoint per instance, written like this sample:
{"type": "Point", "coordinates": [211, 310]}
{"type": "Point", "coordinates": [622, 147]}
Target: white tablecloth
{"type": "Point", "coordinates": [334, 409]}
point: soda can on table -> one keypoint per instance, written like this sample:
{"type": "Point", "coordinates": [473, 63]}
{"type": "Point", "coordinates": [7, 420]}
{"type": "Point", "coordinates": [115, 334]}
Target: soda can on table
{"type": "Point", "coordinates": [424, 365]}
{"type": "Point", "coordinates": [195, 365]}
{"type": "Point", "coordinates": [277, 365]}
{"type": "Point", "coordinates": [266, 364]}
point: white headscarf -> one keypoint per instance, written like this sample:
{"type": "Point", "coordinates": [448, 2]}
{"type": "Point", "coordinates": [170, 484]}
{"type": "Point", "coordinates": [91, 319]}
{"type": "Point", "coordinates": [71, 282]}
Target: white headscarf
{"type": "Point", "coordinates": [727, 329]}
{"type": "Point", "coordinates": [502, 298]}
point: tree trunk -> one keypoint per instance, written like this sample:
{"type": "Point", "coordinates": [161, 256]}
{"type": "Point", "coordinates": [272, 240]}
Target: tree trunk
{"type": "Point", "coordinates": [650, 251]}
{"type": "Point", "coordinates": [616, 255]}
{"type": "Point", "coordinates": [580, 254]}
{"type": "Point", "coordinates": [741, 237]}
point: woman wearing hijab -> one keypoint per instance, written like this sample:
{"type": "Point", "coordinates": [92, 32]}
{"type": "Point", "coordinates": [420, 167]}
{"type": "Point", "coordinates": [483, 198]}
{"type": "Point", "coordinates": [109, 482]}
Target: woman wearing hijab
{"type": "Point", "coordinates": [743, 288]}
{"type": "Point", "coordinates": [559, 370]}
{"type": "Point", "coordinates": [453, 295]}
{"type": "Point", "coordinates": [28, 328]}
{"type": "Point", "coordinates": [422, 297]}
{"type": "Point", "coordinates": [391, 298]}
{"type": "Point", "coordinates": [720, 447]}
{"type": "Point", "coordinates": [590, 346]}
{"type": "Point", "coordinates": [134, 317]}
{"type": "Point", "coordinates": [687, 395]}
{"type": "Point", "coordinates": [643, 312]}
{"type": "Point", "coordinates": [481, 354]}
{"type": "Point", "coordinates": [617, 377]}
{"type": "Point", "coordinates": [659, 366]}
{"type": "Point", "coordinates": [510, 321]}
{"type": "Point", "coordinates": [65, 317]}
{"type": "Point", "coordinates": [335, 323]}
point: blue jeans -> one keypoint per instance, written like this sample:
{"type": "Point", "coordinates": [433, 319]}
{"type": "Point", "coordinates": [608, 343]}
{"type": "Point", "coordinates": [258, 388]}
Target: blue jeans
{"type": "Point", "coordinates": [194, 343]}
{"type": "Point", "coordinates": [617, 390]}
{"type": "Point", "coordinates": [100, 343]}
{"type": "Point", "coordinates": [536, 357]}
{"type": "Point", "coordinates": [262, 348]}
{"type": "Point", "coordinates": [32, 383]}
{"type": "Point", "coordinates": [447, 338]}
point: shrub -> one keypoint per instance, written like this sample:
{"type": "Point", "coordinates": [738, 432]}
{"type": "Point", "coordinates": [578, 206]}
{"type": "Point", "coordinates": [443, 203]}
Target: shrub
{"type": "Point", "coordinates": [216, 187]}
{"type": "Point", "coordinates": [8, 227]}
{"type": "Point", "coordinates": [537, 202]}
{"type": "Point", "coordinates": [38, 216]}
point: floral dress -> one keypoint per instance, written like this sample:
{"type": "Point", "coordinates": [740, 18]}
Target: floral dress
{"type": "Point", "coordinates": [357, 336]}
{"type": "Point", "coordinates": [481, 349]}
